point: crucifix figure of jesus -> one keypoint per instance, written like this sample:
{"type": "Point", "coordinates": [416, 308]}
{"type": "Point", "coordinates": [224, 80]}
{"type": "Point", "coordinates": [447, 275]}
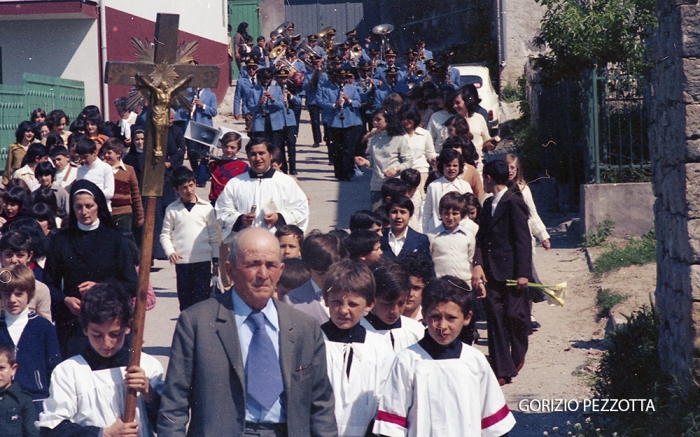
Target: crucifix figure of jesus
{"type": "Point", "coordinates": [160, 108]}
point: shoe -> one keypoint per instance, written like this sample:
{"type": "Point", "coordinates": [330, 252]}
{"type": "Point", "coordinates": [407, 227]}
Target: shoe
{"type": "Point", "coordinates": [315, 145]}
{"type": "Point", "coordinates": [201, 184]}
{"type": "Point", "coordinates": [536, 324]}
{"type": "Point", "coordinates": [293, 173]}
{"type": "Point", "coordinates": [503, 381]}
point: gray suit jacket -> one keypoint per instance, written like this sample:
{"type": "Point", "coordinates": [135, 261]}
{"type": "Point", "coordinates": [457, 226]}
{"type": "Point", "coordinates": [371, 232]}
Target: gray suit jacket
{"type": "Point", "coordinates": [303, 298]}
{"type": "Point", "coordinates": [206, 374]}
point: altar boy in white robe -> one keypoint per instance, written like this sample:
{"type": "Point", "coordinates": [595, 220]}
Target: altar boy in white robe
{"type": "Point", "coordinates": [441, 387]}
{"type": "Point", "coordinates": [386, 318]}
{"type": "Point", "coordinates": [87, 391]}
{"type": "Point", "coordinates": [358, 360]}
{"type": "Point", "coordinates": [261, 197]}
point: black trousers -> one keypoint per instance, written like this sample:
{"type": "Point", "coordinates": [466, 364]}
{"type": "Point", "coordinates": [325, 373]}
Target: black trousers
{"type": "Point", "coordinates": [508, 322]}
{"type": "Point", "coordinates": [345, 141]}
{"type": "Point", "coordinates": [289, 144]}
{"type": "Point", "coordinates": [193, 283]}
{"type": "Point", "coordinates": [315, 115]}
{"type": "Point", "coordinates": [273, 136]}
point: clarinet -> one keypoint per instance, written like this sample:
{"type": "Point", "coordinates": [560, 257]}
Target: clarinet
{"type": "Point", "coordinates": [194, 107]}
{"type": "Point", "coordinates": [340, 96]}
{"type": "Point", "coordinates": [266, 108]}
{"type": "Point", "coordinates": [286, 100]}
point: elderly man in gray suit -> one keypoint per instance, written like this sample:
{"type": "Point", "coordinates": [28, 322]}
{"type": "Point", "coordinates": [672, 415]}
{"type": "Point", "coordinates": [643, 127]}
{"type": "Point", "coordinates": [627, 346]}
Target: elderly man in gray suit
{"type": "Point", "coordinates": [244, 364]}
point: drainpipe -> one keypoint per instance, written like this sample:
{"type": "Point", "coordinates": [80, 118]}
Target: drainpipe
{"type": "Point", "coordinates": [501, 24]}
{"type": "Point", "coordinates": [102, 41]}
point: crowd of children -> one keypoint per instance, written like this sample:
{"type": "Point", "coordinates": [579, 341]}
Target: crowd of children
{"type": "Point", "coordinates": [395, 297]}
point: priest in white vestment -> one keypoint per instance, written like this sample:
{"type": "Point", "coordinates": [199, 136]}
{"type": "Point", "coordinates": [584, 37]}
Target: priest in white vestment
{"type": "Point", "coordinates": [261, 197]}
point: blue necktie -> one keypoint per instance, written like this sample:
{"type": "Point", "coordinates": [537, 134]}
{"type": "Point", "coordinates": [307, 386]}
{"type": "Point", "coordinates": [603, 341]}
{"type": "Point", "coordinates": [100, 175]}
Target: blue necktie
{"type": "Point", "coordinates": [264, 376]}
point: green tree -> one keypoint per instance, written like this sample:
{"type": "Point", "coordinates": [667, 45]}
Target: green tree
{"type": "Point", "coordinates": [582, 34]}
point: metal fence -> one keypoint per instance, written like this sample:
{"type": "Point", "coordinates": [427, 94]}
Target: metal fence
{"type": "Point", "coordinates": [615, 127]}
{"type": "Point", "coordinates": [18, 101]}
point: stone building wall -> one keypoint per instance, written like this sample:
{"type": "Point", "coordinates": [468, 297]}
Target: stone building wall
{"type": "Point", "coordinates": [675, 154]}
{"type": "Point", "coordinates": [522, 25]}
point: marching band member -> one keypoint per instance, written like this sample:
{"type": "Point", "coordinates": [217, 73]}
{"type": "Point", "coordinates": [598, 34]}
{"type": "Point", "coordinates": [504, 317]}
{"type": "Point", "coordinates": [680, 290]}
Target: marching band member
{"type": "Point", "coordinates": [291, 127]}
{"type": "Point", "coordinates": [312, 79]}
{"type": "Point", "coordinates": [342, 104]}
{"type": "Point", "coordinates": [390, 61]}
{"type": "Point", "coordinates": [411, 67]}
{"type": "Point", "coordinates": [367, 89]}
{"type": "Point", "coordinates": [243, 85]}
{"type": "Point", "coordinates": [313, 43]}
{"type": "Point", "coordinates": [266, 104]}
{"type": "Point", "coordinates": [391, 85]}
{"type": "Point", "coordinates": [423, 53]}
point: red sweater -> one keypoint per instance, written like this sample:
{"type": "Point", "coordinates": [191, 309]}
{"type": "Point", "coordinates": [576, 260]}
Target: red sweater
{"type": "Point", "coordinates": [222, 171]}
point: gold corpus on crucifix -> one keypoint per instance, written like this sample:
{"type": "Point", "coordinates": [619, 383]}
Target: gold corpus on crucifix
{"type": "Point", "coordinates": [161, 78]}
{"type": "Point", "coordinates": [161, 100]}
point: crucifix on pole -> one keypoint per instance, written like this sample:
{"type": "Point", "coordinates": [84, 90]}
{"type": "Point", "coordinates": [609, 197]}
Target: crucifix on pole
{"type": "Point", "coordinates": [161, 77]}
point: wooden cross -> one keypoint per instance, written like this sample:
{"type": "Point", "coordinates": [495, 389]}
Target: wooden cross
{"type": "Point", "coordinates": [136, 73]}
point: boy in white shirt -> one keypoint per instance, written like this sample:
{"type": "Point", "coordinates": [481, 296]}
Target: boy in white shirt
{"type": "Point", "coordinates": [358, 360]}
{"type": "Point", "coordinates": [451, 244]}
{"type": "Point", "coordinates": [190, 239]}
{"type": "Point", "coordinates": [94, 169]}
{"type": "Point", "coordinates": [385, 318]}
{"type": "Point", "coordinates": [442, 378]}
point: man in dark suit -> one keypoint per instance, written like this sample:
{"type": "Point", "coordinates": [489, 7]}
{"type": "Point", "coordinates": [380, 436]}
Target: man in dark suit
{"type": "Point", "coordinates": [244, 364]}
{"type": "Point", "coordinates": [401, 238]}
{"type": "Point", "coordinates": [504, 251]}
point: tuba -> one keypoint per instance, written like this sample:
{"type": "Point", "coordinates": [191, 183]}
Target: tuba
{"type": "Point", "coordinates": [327, 41]}
{"type": "Point", "coordinates": [283, 31]}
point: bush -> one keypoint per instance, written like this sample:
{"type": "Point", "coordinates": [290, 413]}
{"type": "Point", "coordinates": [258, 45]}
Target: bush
{"type": "Point", "coordinates": [630, 369]}
{"type": "Point", "coordinates": [515, 93]}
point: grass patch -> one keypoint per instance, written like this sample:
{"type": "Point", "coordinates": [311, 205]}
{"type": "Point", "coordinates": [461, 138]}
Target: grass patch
{"type": "Point", "coordinates": [606, 299]}
{"type": "Point", "coordinates": [600, 235]}
{"type": "Point", "coordinates": [637, 251]}
{"type": "Point", "coordinates": [587, 372]}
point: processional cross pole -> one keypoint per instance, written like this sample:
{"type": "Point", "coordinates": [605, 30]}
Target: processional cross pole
{"type": "Point", "coordinates": [161, 78]}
